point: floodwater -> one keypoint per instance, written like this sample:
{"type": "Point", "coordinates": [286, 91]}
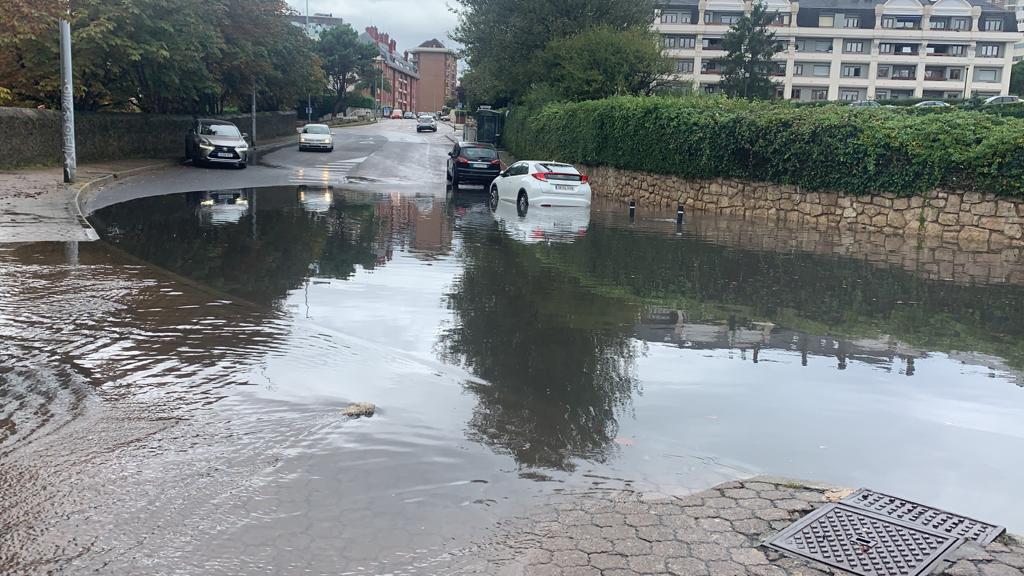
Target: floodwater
{"type": "Point", "coordinates": [170, 397]}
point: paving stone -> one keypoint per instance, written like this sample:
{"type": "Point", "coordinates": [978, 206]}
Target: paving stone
{"type": "Point", "coordinates": [962, 568]}
{"type": "Point", "coordinates": [655, 533]}
{"type": "Point", "coordinates": [686, 567]}
{"type": "Point", "coordinates": [793, 505]}
{"type": "Point", "coordinates": [574, 518]}
{"type": "Point", "coordinates": [739, 493]}
{"type": "Point", "coordinates": [594, 545]}
{"type": "Point", "coordinates": [618, 532]}
{"type": "Point", "coordinates": [607, 561]}
{"type": "Point", "coordinates": [690, 500]}
{"type": "Point", "coordinates": [714, 524]}
{"type": "Point", "coordinates": [648, 564]}
{"type": "Point", "coordinates": [736, 513]}
{"type": "Point", "coordinates": [671, 549]}
{"type": "Point", "coordinates": [748, 556]}
{"type": "Point", "coordinates": [566, 558]}
{"type": "Point", "coordinates": [732, 539]}
{"type": "Point", "coordinates": [707, 551]}
{"type": "Point", "coordinates": [774, 514]}
{"type": "Point", "coordinates": [808, 496]}
{"type": "Point", "coordinates": [720, 502]}
{"type": "Point", "coordinates": [755, 503]}
{"type": "Point", "coordinates": [581, 571]}
{"type": "Point", "coordinates": [994, 569]}
{"type": "Point", "coordinates": [758, 486]}
{"type": "Point", "coordinates": [679, 522]}
{"type": "Point", "coordinates": [1015, 560]}
{"type": "Point", "coordinates": [610, 519]}
{"type": "Point", "coordinates": [774, 494]}
{"type": "Point", "coordinates": [628, 508]}
{"type": "Point", "coordinates": [972, 551]}
{"type": "Point", "coordinates": [705, 511]}
{"type": "Point", "coordinates": [617, 572]}
{"type": "Point", "coordinates": [694, 535]}
{"type": "Point", "coordinates": [632, 547]}
{"type": "Point", "coordinates": [536, 556]}
{"type": "Point", "coordinates": [766, 570]}
{"type": "Point", "coordinates": [582, 532]}
{"type": "Point", "coordinates": [753, 526]}
{"type": "Point", "coordinates": [542, 570]}
{"type": "Point", "coordinates": [780, 524]}
{"type": "Point", "coordinates": [727, 568]}
{"type": "Point", "coordinates": [560, 543]}
{"type": "Point", "coordinates": [642, 520]}
{"type": "Point", "coordinates": [730, 485]}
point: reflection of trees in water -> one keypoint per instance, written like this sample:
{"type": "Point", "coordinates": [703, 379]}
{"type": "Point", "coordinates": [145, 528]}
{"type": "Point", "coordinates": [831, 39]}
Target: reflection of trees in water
{"type": "Point", "coordinates": [261, 257]}
{"type": "Point", "coordinates": [556, 357]}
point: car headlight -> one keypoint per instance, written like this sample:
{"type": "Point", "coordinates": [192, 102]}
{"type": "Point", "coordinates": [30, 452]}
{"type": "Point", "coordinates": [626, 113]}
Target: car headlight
{"type": "Point", "coordinates": [302, 137]}
{"type": "Point", "coordinates": [205, 144]}
{"type": "Point", "coordinates": [243, 147]}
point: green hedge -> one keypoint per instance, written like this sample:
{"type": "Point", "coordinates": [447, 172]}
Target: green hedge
{"type": "Point", "coordinates": [844, 149]}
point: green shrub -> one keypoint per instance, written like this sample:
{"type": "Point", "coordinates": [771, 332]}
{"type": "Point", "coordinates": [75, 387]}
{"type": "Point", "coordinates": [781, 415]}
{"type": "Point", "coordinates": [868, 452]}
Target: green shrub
{"type": "Point", "coordinates": [829, 148]}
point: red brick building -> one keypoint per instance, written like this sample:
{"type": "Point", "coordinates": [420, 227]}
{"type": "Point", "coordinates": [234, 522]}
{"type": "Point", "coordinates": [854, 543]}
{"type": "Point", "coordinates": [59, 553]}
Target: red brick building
{"type": "Point", "coordinates": [437, 67]}
{"type": "Point", "coordinates": [398, 70]}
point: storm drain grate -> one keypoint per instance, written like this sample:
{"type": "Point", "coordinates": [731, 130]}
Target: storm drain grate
{"type": "Point", "coordinates": [924, 516]}
{"type": "Point", "coordinates": [864, 543]}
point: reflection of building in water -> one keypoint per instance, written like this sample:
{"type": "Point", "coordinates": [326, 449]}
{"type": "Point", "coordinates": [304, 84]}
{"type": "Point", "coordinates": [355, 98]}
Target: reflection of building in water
{"type": "Point", "coordinates": [223, 207]}
{"type": "Point", "coordinates": [751, 338]}
{"type": "Point", "coordinates": [415, 223]}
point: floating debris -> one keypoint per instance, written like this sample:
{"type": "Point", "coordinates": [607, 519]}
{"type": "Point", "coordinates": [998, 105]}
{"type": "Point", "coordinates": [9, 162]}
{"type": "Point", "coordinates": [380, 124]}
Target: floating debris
{"type": "Point", "coordinates": [359, 409]}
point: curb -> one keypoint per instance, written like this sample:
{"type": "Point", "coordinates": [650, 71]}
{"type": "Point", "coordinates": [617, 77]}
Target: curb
{"type": "Point", "coordinates": [79, 213]}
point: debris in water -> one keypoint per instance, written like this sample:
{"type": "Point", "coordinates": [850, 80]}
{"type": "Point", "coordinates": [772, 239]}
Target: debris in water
{"type": "Point", "coordinates": [359, 409]}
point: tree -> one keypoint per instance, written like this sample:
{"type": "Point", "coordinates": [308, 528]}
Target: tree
{"type": "Point", "coordinates": [603, 62]}
{"type": "Point", "coordinates": [344, 56]}
{"type": "Point", "coordinates": [502, 38]}
{"type": "Point", "coordinates": [1017, 78]}
{"type": "Point", "coordinates": [746, 69]}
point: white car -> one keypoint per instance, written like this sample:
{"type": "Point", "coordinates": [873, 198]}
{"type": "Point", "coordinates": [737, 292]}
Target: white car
{"type": "Point", "coordinates": [931, 104]}
{"type": "Point", "coordinates": [540, 183]}
{"type": "Point", "coordinates": [995, 100]}
{"type": "Point", "coordinates": [555, 225]}
{"type": "Point", "coordinates": [316, 137]}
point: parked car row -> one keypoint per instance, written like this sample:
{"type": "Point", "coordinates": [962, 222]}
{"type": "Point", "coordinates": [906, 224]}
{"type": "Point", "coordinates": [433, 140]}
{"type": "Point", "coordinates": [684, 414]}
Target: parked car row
{"type": "Point", "coordinates": [525, 183]}
{"type": "Point", "coordinates": [990, 101]}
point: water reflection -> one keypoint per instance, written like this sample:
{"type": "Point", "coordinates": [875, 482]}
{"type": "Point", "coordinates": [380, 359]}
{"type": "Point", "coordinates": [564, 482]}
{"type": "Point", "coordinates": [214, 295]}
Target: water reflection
{"type": "Point", "coordinates": [542, 224]}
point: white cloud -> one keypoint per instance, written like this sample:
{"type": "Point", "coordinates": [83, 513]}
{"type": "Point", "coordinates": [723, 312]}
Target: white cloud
{"type": "Point", "coordinates": [409, 22]}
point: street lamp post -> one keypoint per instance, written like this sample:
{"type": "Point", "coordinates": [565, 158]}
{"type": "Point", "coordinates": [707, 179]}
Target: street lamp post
{"type": "Point", "coordinates": [309, 99]}
{"type": "Point", "coordinates": [67, 102]}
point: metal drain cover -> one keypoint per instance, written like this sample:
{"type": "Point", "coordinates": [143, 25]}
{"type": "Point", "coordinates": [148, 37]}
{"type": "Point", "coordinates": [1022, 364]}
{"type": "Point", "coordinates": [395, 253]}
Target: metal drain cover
{"type": "Point", "coordinates": [864, 543]}
{"type": "Point", "coordinates": [924, 516]}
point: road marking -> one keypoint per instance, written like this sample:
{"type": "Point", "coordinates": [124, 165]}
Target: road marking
{"type": "Point", "coordinates": [325, 173]}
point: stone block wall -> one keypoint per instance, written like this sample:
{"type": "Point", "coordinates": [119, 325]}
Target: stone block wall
{"type": "Point", "coordinates": [970, 220]}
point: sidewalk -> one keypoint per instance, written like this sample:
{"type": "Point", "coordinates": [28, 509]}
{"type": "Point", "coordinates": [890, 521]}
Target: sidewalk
{"type": "Point", "coordinates": [716, 532]}
{"type": "Point", "coordinates": [37, 206]}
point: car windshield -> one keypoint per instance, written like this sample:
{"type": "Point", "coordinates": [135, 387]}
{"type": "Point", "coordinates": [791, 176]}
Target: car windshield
{"type": "Point", "coordinates": [319, 129]}
{"type": "Point", "coordinates": [219, 130]}
{"type": "Point", "coordinates": [557, 167]}
{"type": "Point", "coordinates": [475, 153]}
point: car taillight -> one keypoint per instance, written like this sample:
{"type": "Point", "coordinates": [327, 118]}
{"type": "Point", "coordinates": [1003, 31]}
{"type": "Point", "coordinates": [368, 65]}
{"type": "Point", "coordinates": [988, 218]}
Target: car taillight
{"type": "Point", "coordinates": [584, 179]}
{"type": "Point", "coordinates": [542, 176]}
{"type": "Point", "coordinates": [463, 160]}
{"type": "Point", "coordinates": [495, 162]}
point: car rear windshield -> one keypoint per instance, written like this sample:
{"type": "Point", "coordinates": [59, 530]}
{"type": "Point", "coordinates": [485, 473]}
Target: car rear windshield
{"type": "Point", "coordinates": [556, 171]}
{"type": "Point", "coordinates": [316, 130]}
{"type": "Point", "coordinates": [473, 153]}
{"type": "Point", "coordinates": [218, 130]}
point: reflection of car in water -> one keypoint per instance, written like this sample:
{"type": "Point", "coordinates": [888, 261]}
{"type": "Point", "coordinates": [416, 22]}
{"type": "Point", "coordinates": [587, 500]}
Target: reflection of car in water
{"type": "Point", "coordinates": [317, 200]}
{"type": "Point", "coordinates": [564, 224]}
{"type": "Point", "coordinates": [223, 207]}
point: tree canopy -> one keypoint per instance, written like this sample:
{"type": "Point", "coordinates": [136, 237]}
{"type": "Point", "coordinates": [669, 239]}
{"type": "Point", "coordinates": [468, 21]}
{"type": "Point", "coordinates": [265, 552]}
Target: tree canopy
{"type": "Point", "coordinates": [746, 68]}
{"type": "Point", "coordinates": [503, 38]}
{"type": "Point", "coordinates": [345, 59]}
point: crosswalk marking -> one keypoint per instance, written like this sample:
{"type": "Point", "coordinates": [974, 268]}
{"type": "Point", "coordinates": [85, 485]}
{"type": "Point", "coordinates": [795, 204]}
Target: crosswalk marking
{"type": "Point", "coordinates": [325, 173]}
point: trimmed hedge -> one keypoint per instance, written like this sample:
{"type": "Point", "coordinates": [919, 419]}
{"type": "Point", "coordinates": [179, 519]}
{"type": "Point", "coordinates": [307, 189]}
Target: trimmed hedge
{"type": "Point", "coordinates": [842, 149]}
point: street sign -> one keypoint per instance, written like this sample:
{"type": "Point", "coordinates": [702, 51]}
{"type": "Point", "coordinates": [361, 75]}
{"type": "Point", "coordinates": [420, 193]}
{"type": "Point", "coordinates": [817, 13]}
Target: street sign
{"type": "Point", "coordinates": [309, 110]}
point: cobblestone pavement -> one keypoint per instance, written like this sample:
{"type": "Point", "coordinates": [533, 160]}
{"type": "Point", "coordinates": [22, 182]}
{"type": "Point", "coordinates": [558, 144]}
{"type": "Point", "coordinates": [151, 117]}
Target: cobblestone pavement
{"type": "Point", "coordinates": [712, 533]}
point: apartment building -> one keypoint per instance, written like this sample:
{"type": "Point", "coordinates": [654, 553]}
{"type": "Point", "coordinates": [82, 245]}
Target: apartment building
{"type": "Point", "coordinates": [397, 69]}
{"type": "Point", "coordinates": [856, 49]}
{"type": "Point", "coordinates": [438, 67]}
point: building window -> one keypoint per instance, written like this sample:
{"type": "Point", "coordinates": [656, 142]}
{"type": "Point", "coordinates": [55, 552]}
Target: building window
{"type": "Point", "coordinates": [993, 25]}
{"type": "Point", "coordinates": [795, 94]}
{"type": "Point", "coordinates": [823, 46]}
{"type": "Point", "coordinates": [669, 41]}
{"type": "Point", "coordinates": [820, 70]}
{"type": "Point", "coordinates": [883, 72]}
{"type": "Point", "coordinates": [955, 73]}
{"type": "Point", "coordinates": [851, 22]}
{"type": "Point", "coordinates": [798, 69]}
{"type": "Point", "coordinates": [684, 66]}
{"type": "Point", "coordinates": [852, 72]}
{"type": "Point", "coordinates": [904, 72]}
{"type": "Point", "coordinates": [957, 50]}
{"type": "Point", "coordinates": [687, 42]}
{"type": "Point", "coordinates": [669, 17]}
{"type": "Point", "coordinates": [885, 48]}
{"type": "Point", "coordinates": [986, 75]}
{"type": "Point", "coordinates": [988, 50]}
{"type": "Point", "coordinates": [684, 18]}
{"type": "Point", "coordinates": [782, 19]}
{"type": "Point", "coordinates": [881, 94]}
{"type": "Point", "coordinates": [900, 22]}
{"type": "Point", "coordinates": [729, 19]}
{"type": "Point", "coordinates": [826, 21]}
{"type": "Point", "coordinates": [961, 23]}
{"type": "Point", "coordinates": [849, 94]}
{"type": "Point", "coordinates": [938, 24]}
{"type": "Point", "coordinates": [819, 94]}
{"type": "Point", "coordinates": [854, 46]}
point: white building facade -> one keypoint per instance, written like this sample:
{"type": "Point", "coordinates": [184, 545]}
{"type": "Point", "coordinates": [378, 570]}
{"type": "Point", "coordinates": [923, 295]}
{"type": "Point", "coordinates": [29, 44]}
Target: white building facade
{"type": "Point", "coordinates": [856, 49]}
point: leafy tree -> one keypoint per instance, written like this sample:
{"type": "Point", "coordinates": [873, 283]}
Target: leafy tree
{"type": "Point", "coordinates": [344, 57]}
{"type": "Point", "coordinates": [603, 62]}
{"type": "Point", "coordinates": [747, 67]}
{"type": "Point", "coordinates": [1017, 78]}
{"type": "Point", "coordinates": [502, 38]}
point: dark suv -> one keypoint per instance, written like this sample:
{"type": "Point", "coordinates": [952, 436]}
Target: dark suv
{"type": "Point", "coordinates": [472, 163]}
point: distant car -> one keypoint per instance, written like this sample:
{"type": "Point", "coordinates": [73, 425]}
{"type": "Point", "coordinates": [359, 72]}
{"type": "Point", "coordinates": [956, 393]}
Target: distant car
{"type": "Point", "coordinates": [446, 118]}
{"type": "Point", "coordinates": [931, 104]}
{"type": "Point", "coordinates": [409, 116]}
{"type": "Point", "coordinates": [994, 100]}
{"type": "Point", "coordinates": [396, 114]}
{"type": "Point", "coordinates": [541, 183]}
{"type": "Point", "coordinates": [472, 163]}
{"type": "Point", "coordinates": [316, 137]}
{"type": "Point", "coordinates": [216, 142]}
{"type": "Point", "coordinates": [426, 122]}
{"type": "Point", "coordinates": [865, 104]}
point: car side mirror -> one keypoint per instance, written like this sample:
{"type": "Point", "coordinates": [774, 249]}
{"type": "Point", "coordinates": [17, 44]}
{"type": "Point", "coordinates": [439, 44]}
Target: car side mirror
{"type": "Point", "coordinates": [245, 135]}
{"type": "Point", "coordinates": [452, 154]}
{"type": "Point", "coordinates": [503, 174]}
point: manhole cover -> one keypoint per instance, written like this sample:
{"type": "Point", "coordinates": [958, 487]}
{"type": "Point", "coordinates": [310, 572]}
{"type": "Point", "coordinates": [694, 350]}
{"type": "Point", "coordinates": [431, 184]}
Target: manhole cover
{"type": "Point", "coordinates": [924, 516]}
{"type": "Point", "coordinates": [863, 543]}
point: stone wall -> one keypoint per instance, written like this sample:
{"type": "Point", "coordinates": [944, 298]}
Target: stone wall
{"type": "Point", "coordinates": [971, 221]}
{"type": "Point", "coordinates": [33, 137]}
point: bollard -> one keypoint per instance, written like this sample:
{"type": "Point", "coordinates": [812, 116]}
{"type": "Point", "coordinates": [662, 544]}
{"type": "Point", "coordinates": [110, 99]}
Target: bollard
{"type": "Point", "coordinates": [680, 210]}
{"type": "Point", "coordinates": [632, 209]}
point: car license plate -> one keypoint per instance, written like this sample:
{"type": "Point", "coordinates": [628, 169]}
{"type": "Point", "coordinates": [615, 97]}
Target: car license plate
{"type": "Point", "coordinates": [479, 165]}
{"type": "Point", "coordinates": [222, 154]}
{"type": "Point", "coordinates": [565, 188]}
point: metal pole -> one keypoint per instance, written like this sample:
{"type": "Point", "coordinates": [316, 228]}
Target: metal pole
{"type": "Point", "coordinates": [67, 102]}
{"type": "Point", "coordinates": [252, 137]}
{"type": "Point", "coordinates": [309, 99]}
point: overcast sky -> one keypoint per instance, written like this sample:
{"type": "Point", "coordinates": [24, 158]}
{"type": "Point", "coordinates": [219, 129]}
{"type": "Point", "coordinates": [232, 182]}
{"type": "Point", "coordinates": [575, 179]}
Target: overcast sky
{"type": "Point", "coordinates": [409, 22]}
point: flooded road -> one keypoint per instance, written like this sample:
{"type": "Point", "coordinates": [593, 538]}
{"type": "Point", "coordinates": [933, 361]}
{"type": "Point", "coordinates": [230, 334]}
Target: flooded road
{"type": "Point", "coordinates": [170, 398]}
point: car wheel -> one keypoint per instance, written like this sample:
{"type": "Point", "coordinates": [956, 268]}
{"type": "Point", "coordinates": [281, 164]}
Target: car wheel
{"type": "Point", "coordinates": [494, 198]}
{"type": "Point", "coordinates": [522, 203]}
{"type": "Point", "coordinates": [331, 149]}
{"type": "Point", "coordinates": [241, 165]}
{"type": "Point", "coordinates": [455, 182]}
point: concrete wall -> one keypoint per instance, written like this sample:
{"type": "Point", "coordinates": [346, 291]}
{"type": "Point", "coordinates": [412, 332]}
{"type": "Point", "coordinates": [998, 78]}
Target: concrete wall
{"type": "Point", "coordinates": [32, 137]}
{"type": "Point", "coordinates": [970, 221]}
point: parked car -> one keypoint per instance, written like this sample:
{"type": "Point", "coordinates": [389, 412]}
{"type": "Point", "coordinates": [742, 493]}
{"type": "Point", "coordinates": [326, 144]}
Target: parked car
{"type": "Point", "coordinates": [426, 122]}
{"type": "Point", "coordinates": [216, 142]}
{"type": "Point", "coordinates": [472, 163]}
{"type": "Point", "coordinates": [541, 183]}
{"type": "Point", "coordinates": [865, 104]}
{"type": "Point", "coordinates": [409, 116]}
{"type": "Point", "coordinates": [396, 114]}
{"type": "Point", "coordinates": [931, 104]}
{"type": "Point", "coordinates": [446, 118]}
{"type": "Point", "coordinates": [316, 137]}
{"type": "Point", "coordinates": [993, 100]}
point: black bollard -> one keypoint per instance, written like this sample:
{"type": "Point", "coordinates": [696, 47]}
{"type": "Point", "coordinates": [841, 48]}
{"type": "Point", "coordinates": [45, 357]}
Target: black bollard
{"type": "Point", "coordinates": [632, 209]}
{"type": "Point", "coordinates": [680, 210]}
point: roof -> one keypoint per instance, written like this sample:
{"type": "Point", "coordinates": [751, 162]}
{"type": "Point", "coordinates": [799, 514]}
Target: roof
{"type": "Point", "coordinates": [432, 43]}
{"type": "Point", "coordinates": [392, 59]}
